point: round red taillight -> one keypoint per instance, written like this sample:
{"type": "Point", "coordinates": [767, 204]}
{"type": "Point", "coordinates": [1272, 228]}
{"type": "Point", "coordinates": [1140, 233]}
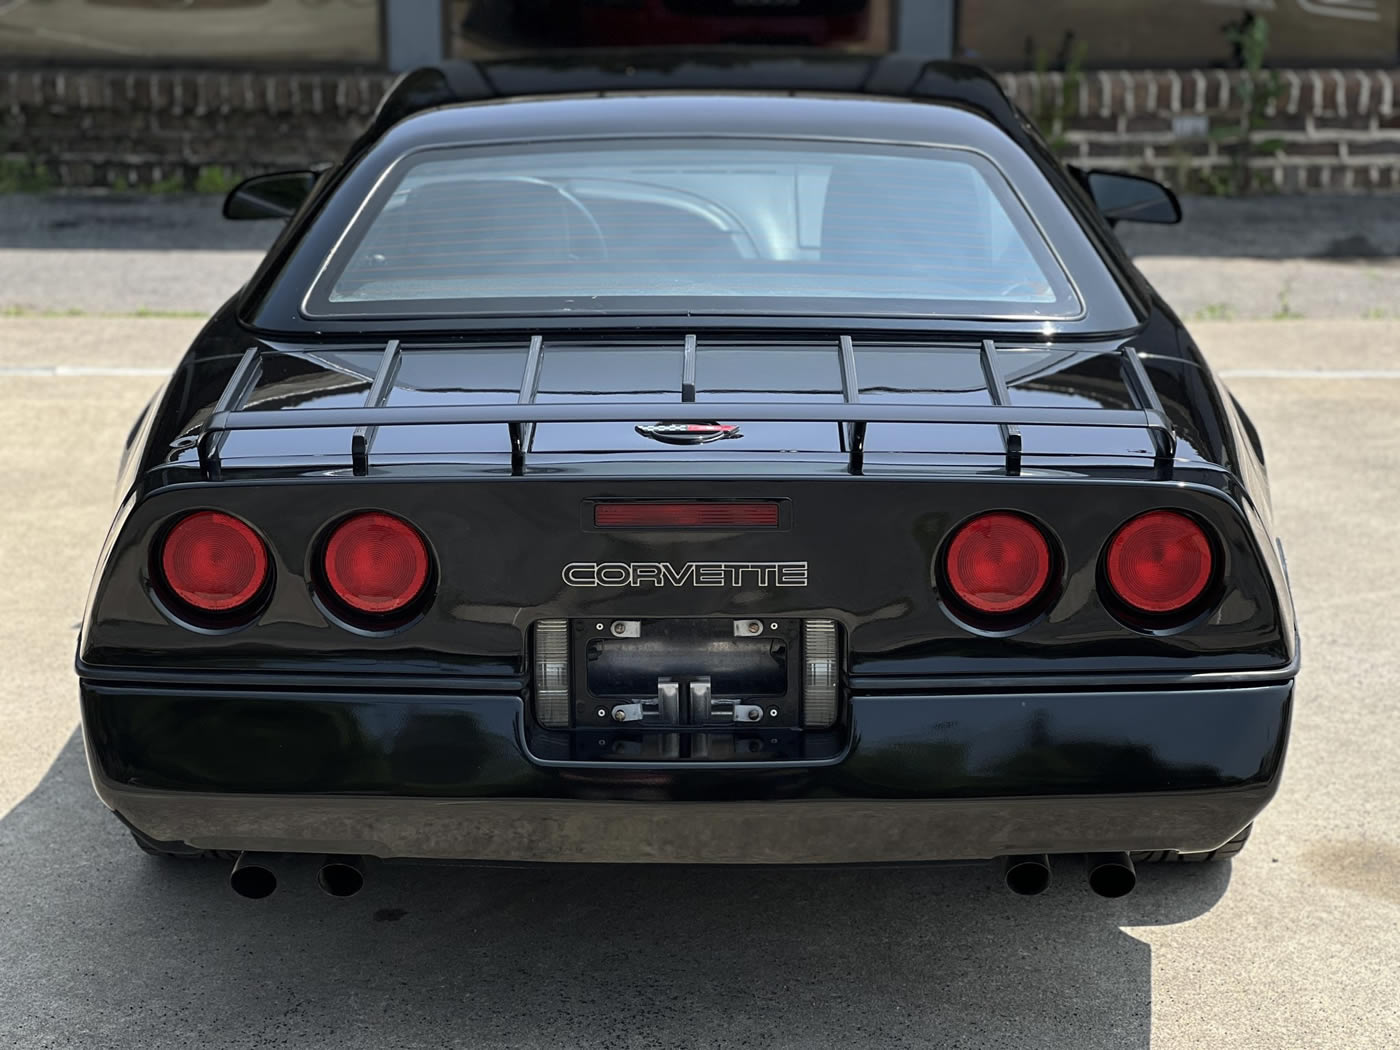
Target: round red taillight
{"type": "Point", "coordinates": [998, 564]}
{"type": "Point", "coordinates": [213, 562]}
{"type": "Point", "coordinates": [376, 563]}
{"type": "Point", "coordinates": [1159, 563]}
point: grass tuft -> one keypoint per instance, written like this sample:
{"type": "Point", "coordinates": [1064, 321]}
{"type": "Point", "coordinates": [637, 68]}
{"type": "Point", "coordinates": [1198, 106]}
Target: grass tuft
{"type": "Point", "coordinates": [21, 175]}
{"type": "Point", "coordinates": [1214, 312]}
{"type": "Point", "coordinates": [215, 178]}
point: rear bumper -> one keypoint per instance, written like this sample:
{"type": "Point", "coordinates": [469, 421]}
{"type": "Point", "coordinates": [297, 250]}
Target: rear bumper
{"type": "Point", "coordinates": [924, 778]}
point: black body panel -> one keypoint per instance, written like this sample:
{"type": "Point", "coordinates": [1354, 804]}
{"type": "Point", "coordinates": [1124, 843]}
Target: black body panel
{"type": "Point", "coordinates": [502, 547]}
{"type": "Point", "coordinates": [926, 778]}
{"type": "Point", "coordinates": [982, 745]}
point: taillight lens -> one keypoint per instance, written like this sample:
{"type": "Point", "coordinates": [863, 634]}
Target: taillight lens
{"type": "Point", "coordinates": [213, 562]}
{"type": "Point", "coordinates": [1159, 563]}
{"type": "Point", "coordinates": [998, 564]}
{"type": "Point", "coordinates": [376, 563]}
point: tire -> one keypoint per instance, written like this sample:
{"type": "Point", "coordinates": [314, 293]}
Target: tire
{"type": "Point", "coordinates": [1171, 856]}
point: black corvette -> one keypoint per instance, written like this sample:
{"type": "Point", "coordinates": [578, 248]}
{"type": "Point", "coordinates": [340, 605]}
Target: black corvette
{"type": "Point", "coordinates": [700, 460]}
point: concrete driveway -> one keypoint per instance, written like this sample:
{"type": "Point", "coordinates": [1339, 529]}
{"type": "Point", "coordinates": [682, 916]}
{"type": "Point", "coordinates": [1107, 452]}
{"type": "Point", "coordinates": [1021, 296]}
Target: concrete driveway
{"type": "Point", "coordinates": [1295, 944]}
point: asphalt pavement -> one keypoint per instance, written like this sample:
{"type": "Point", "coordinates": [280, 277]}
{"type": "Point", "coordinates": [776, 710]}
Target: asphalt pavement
{"type": "Point", "coordinates": [1294, 944]}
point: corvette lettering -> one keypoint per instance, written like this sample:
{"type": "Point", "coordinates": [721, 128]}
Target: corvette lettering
{"type": "Point", "coordinates": [691, 574]}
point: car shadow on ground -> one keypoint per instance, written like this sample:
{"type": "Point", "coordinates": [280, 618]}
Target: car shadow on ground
{"type": "Point", "coordinates": [101, 945]}
{"type": "Point", "coordinates": [1345, 228]}
{"type": "Point", "coordinates": [128, 222]}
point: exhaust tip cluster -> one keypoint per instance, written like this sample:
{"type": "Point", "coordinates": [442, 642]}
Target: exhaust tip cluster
{"type": "Point", "coordinates": [1109, 875]}
{"type": "Point", "coordinates": [254, 875]}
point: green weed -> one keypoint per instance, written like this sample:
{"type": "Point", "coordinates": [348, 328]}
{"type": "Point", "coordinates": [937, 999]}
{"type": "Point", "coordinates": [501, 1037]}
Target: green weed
{"type": "Point", "coordinates": [215, 178]}
{"type": "Point", "coordinates": [1214, 312]}
{"type": "Point", "coordinates": [21, 175]}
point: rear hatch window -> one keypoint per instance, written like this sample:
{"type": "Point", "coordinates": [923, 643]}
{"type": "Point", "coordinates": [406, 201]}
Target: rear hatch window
{"type": "Point", "coordinates": [699, 226]}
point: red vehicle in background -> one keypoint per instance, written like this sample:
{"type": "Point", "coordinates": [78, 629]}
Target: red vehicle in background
{"type": "Point", "coordinates": [649, 23]}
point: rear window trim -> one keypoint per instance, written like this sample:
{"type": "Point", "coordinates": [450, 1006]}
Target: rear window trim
{"type": "Point", "coordinates": [315, 303]}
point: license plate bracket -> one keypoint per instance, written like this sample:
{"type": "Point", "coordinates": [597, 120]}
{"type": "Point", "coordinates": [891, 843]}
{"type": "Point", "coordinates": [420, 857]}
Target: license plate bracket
{"type": "Point", "coordinates": [687, 672]}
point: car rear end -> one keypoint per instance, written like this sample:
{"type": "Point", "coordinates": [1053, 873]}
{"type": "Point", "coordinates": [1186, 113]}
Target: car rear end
{"type": "Point", "coordinates": [833, 552]}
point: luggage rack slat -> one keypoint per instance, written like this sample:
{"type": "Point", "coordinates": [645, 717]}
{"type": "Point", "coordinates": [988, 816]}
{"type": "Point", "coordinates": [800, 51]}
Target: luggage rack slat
{"type": "Point", "coordinates": [850, 393]}
{"type": "Point", "coordinates": [628, 411]}
{"type": "Point", "coordinates": [240, 384]}
{"type": "Point", "coordinates": [688, 370]}
{"type": "Point", "coordinates": [363, 437]}
{"type": "Point", "coordinates": [996, 387]}
{"type": "Point", "coordinates": [521, 434]}
{"type": "Point", "coordinates": [1145, 397]}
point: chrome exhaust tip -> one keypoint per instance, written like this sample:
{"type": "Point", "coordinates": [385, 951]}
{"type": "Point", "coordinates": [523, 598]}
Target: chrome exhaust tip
{"type": "Point", "coordinates": [341, 876]}
{"type": "Point", "coordinates": [1110, 874]}
{"type": "Point", "coordinates": [252, 876]}
{"type": "Point", "coordinates": [1026, 874]}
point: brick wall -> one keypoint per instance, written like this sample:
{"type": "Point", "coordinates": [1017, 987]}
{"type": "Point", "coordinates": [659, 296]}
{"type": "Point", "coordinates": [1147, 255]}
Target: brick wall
{"type": "Point", "coordinates": [106, 127]}
{"type": "Point", "coordinates": [1330, 130]}
{"type": "Point", "coordinates": [1335, 130]}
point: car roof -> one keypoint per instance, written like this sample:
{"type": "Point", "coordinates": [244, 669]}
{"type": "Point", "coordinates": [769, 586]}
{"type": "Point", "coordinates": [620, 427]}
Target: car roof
{"type": "Point", "coordinates": [720, 114]}
{"type": "Point", "coordinates": [717, 71]}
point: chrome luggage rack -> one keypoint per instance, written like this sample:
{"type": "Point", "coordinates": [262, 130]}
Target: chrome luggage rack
{"type": "Point", "coordinates": [231, 414]}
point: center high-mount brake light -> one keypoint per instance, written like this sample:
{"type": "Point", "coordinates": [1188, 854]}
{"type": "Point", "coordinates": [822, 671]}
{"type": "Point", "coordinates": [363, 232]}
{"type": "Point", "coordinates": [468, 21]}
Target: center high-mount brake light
{"type": "Point", "coordinates": [998, 564]}
{"type": "Point", "coordinates": [685, 515]}
{"type": "Point", "coordinates": [376, 563]}
{"type": "Point", "coordinates": [213, 562]}
{"type": "Point", "coordinates": [1159, 563]}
